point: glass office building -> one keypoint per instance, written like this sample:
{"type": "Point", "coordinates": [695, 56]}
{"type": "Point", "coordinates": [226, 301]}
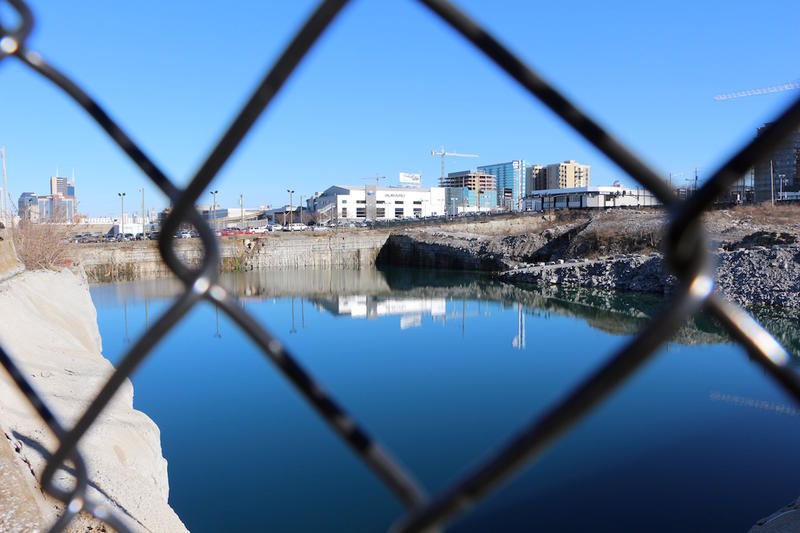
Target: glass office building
{"type": "Point", "coordinates": [510, 180]}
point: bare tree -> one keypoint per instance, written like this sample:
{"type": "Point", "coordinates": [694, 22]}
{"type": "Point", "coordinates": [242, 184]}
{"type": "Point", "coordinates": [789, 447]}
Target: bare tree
{"type": "Point", "coordinates": [42, 246]}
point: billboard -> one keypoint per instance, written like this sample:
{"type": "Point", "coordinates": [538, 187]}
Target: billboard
{"type": "Point", "coordinates": [410, 178]}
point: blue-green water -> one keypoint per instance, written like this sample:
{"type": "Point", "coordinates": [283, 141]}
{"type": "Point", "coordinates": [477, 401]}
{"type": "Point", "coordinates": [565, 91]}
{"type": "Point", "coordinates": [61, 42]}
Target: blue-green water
{"type": "Point", "coordinates": [442, 369]}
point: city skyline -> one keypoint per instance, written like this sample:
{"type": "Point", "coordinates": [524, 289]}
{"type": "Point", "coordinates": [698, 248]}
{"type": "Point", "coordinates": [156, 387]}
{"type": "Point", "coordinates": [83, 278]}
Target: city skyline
{"type": "Point", "coordinates": [368, 100]}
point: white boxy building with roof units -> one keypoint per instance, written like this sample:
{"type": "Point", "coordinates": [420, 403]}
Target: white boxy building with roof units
{"type": "Point", "coordinates": [370, 202]}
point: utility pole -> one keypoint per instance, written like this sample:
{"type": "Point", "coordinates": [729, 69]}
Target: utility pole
{"type": "Point", "coordinates": [143, 223]}
{"type": "Point", "coordinates": [771, 184]}
{"type": "Point", "coordinates": [5, 183]}
{"type": "Point", "coordinates": [214, 207]}
{"type": "Point", "coordinates": [301, 208]}
{"type": "Point", "coordinates": [122, 214]}
{"type": "Point", "coordinates": [241, 211]}
{"type": "Point", "coordinates": [291, 210]}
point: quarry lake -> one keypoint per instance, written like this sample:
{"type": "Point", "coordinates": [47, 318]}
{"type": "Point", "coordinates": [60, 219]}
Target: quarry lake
{"type": "Point", "coordinates": [442, 368]}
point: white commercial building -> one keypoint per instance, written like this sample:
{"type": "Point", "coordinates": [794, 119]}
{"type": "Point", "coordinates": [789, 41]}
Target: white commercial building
{"type": "Point", "coordinates": [589, 198]}
{"type": "Point", "coordinates": [371, 202]}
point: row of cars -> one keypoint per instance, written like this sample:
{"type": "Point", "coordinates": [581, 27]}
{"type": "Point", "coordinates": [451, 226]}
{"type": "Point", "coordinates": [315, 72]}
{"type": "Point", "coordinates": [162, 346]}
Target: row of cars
{"type": "Point", "coordinates": [99, 237]}
{"type": "Point", "coordinates": [110, 237]}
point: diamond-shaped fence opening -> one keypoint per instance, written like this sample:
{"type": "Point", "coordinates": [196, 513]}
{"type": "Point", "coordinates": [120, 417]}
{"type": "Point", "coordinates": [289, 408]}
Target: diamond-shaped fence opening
{"type": "Point", "coordinates": [685, 250]}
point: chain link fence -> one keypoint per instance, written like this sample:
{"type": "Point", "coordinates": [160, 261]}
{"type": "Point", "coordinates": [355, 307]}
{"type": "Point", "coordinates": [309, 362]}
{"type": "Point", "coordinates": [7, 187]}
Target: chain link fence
{"type": "Point", "coordinates": [685, 246]}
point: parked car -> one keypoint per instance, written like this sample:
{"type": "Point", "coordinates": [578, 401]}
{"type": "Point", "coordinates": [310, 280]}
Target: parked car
{"type": "Point", "coordinates": [183, 235]}
{"type": "Point", "coordinates": [295, 226]}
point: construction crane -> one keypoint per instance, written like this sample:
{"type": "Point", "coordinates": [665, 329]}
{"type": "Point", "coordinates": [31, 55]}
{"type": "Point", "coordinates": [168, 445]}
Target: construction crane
{"type": "Point", "coordinates": [788, 86]}
{"type": "Point", "coordinates": [376, 178]}
{"type": "Point", "coordinates": [444, 154]}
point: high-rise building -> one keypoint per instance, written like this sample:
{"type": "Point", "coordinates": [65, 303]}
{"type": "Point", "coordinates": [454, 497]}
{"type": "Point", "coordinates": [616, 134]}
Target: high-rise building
{"type": "Point", "coordinates": [62, 186]}
{"type": "Point", "coordinates": [470, 190]}
{"type": "Point", "coordinates": [567, 175]}
{"type": "Point", "coordinates": [535, 178]}
{"type": "Point", "coordinates": [28, 207]}
{"type": "Point", "coordinates": [784, 173]}
{"type": "Point", "coordinates": [59, 205]}
{"type": "Point", "coordinates": [56, 208]}
{"type": "Point", "coordinates": [510, 179]}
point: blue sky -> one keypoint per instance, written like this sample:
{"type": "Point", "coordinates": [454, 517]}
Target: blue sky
{"type": "Point", "coordinates": [386, 84]}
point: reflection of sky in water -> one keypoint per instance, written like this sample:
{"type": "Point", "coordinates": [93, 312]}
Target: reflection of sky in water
{"type": "Point", "coordinates": [700, 438]}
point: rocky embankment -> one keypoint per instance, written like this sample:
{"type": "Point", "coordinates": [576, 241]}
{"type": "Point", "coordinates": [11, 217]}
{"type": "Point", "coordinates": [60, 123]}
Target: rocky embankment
{"type": "Point", "coordinates": [759, 277]}
{"type": "Point", "coordinates": [49, 328]}
{"type": "Point", "coordinates": [757, 252]}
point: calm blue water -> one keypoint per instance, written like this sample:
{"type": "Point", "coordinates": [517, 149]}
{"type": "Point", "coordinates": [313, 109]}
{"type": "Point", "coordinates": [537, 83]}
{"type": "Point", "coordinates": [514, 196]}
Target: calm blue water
{"type": "Point", "coordinates": [442, 369]}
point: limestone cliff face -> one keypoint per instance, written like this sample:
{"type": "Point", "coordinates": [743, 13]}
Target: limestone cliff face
{"type": "Point", "coordinates": [48, 325]}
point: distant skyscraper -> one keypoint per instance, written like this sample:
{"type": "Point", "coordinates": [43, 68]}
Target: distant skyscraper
{"type": "Point", "coordinates": [28, 206]}
{"type": "Point", "coordinates": [58, 206]}
{"type": "Point", "coordinates": [567, 175]}
{"type": "Point", "coordinates": [510, 180]}
{"type": "Point", "coordinates": [785, 168]}
{"type": "Point", "coordinates": [59, 185]}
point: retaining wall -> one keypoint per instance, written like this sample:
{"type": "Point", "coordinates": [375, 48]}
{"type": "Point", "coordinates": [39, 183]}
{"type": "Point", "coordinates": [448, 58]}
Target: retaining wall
{"type": "Point", "coordinates": [142, 260]}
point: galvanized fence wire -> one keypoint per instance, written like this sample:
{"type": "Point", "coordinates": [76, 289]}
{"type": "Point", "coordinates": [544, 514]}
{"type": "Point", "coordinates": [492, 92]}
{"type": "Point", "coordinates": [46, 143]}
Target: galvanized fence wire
{"type": "Point", "coordinates": [685, 250]}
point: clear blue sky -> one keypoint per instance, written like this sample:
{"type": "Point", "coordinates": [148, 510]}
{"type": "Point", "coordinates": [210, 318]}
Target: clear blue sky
{"type": "Point", "coordinates": [386, 84]}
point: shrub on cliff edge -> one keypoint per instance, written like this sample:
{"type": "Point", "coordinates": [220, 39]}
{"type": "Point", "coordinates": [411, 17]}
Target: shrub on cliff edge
{"type": "Point", "coordinates": [42, 246]}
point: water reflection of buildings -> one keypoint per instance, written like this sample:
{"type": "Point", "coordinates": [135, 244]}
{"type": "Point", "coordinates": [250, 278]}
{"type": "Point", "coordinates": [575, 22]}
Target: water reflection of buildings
{"type": "Point", "coordinates": [414, 294]}
{"type": "Point", "coordinates": [411, 310]}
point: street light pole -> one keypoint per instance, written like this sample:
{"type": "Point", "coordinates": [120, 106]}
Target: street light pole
{"type": "Point", "coordinates": [241, 211]}
{"type": "Point", "coordinates": [771, 183]}
{"type": "Point", "coordinates": [143, 224]}
{"type": "Point", "coordinates": [214, 207]}
{"type": "Point", "coordinates": [291, 207]}
{"type": "Point", "coordinates": [122, 214]}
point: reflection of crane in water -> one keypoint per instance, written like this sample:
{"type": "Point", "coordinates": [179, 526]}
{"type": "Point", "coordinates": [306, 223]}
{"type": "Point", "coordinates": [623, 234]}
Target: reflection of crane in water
{"type": "Point", "coordinates": [125, 313]}
{"type": "Point", "coordinates": [293, 330]}
{"type": "Point", "coordinates": [453, 315]}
